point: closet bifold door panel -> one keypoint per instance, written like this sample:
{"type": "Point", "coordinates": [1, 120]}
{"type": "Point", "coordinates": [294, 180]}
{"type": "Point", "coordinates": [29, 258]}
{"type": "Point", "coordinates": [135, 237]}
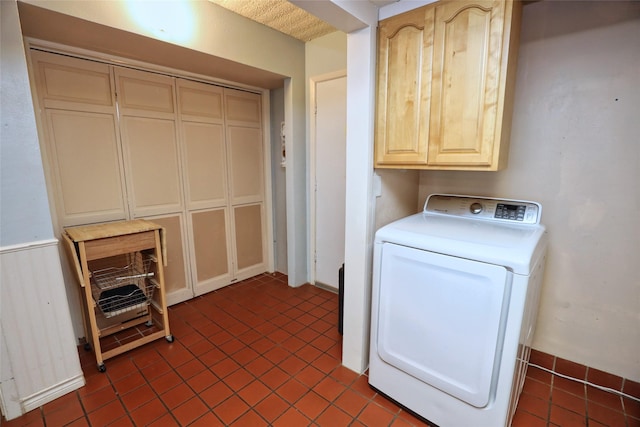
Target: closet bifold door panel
{"type": "Point", "coordinates": [201, 112]}
{"type": "Point", "coordinates": [246, 184]}
{"type": "Point", "coordinates": [78, 114]}
{"type": "Point", "coordinates": [149, 131]}
{"type": "Point", "coordinates": [150, 141]}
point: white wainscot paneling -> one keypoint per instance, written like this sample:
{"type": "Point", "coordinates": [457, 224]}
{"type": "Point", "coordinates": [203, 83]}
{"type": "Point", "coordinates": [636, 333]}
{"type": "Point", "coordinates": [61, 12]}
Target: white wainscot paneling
{"type": "Point", "coordinates": [39, 354]}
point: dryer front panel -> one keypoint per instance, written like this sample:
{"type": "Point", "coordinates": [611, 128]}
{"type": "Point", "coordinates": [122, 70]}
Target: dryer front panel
{"type": "Point", "coordinates": [441, 319]}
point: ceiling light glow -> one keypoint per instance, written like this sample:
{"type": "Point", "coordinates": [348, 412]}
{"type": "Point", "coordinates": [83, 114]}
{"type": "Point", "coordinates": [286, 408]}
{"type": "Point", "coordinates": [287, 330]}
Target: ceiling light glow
{"type": "Point", "coordinates": [168, 20]}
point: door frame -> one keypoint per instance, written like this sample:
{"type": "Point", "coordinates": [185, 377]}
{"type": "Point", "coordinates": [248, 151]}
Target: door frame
{"type": "Point", "coordinates": [313, 82]}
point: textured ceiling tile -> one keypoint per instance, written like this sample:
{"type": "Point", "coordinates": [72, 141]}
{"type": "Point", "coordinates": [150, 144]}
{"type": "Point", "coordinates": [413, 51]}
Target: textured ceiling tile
{"type": "Point", "coordinates": [281, 16]}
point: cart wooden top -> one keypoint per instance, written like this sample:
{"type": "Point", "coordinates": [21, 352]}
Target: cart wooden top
{"type": "Point", "coordinates": [101, 231]}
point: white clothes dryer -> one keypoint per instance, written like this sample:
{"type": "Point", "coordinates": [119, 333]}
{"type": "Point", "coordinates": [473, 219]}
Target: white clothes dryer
{"type": "Point", "coordinates": [454, 305]}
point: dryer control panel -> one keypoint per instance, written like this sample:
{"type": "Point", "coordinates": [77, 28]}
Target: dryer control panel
{"type": "Point", "coordinates": [485, 208]}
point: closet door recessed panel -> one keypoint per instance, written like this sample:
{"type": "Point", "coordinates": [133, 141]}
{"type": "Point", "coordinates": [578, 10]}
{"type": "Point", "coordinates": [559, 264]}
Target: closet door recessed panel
{"type": "Point", "coordinates": [242, 108]}
{"type": "Point", "coordinates": [177, 285]}
{"type": "Point", "coordinates": [200, 102]}
{"type": "Point", "coordinates": [140, 91]}
{"type": "Point", "coordinates": [86, 165]}
{"type": "Point", "coordinates": [212, 264]}
{"type": "Point", "coordinates": [65, 82]}
{"type": "Point", "coordinates": [206, 167]}
{"type": "Point", "coordinates": [246, 163]}
{"type": "Point", "coordinates": [152, 153]}
{"type": "Point", "coordinates": [249, 240]}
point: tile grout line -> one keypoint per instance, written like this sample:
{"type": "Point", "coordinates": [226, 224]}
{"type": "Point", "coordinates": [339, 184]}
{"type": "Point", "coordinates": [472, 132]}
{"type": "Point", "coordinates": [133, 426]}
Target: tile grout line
{"type": "Point", "coordinates": [603, 388]}
{"type": "Point", "coordinates": [261, 354]}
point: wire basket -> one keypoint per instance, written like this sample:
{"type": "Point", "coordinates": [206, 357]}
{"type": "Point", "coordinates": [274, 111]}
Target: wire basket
{"type": "Point", "coordinates": [117, 290]}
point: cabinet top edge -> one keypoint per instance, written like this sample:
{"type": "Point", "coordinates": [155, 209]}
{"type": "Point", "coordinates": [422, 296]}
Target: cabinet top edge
{"type": "Point", "coordinates": [112, 229]}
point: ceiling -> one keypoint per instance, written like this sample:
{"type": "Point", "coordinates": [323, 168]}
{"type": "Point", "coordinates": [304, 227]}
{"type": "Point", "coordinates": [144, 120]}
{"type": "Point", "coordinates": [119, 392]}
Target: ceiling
{"type": "Point", "coordinates": [284, 16]}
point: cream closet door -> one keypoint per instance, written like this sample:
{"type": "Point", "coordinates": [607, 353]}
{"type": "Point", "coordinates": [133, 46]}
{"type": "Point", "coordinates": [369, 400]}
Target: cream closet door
{"type": "Point", "coordinates": [246, 181]}
{"type": "Point", "coordinates": [78, 113]}
{"type": "Point", "coordinates": [148, 125]}
{"type": "Point", "coordinates": [149, 136]}
{"type": "Point", "coordinates": [202, 125]}
{"type": "Point", "coordinates": [123, 144]}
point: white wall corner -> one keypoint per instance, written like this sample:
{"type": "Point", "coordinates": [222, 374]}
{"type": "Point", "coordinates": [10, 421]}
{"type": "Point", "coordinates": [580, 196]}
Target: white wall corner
{"type": "Point", "coordinates": [360, 200]}
{"type": "Point", "coordinates": [342, 16]}
{"type": "Point", "coordinates": [401, 6]}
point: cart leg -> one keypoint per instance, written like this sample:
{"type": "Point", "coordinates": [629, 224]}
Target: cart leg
{"type": "Point", "coordinates": [161, 294]}
{"type": "Point", "coordinates": [91, 309]}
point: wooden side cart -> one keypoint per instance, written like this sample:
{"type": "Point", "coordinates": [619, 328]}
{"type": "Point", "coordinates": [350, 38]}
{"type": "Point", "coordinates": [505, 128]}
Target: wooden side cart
{"type": "Point", "coordinates": [120, 269]}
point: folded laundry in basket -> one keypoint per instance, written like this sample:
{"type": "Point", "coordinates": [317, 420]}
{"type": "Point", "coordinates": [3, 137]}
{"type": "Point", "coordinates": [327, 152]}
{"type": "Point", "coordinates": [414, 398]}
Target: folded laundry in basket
{"type": "Point", "coordinates": [121, 297]}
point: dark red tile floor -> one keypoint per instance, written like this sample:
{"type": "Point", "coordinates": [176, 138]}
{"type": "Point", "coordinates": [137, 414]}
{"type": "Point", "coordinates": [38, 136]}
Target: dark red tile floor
{"type": "Point", "coordinates": [259, 353]}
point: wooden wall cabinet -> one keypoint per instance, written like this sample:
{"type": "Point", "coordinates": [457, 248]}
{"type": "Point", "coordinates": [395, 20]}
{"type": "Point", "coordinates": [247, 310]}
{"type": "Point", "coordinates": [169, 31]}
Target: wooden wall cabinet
{"type": "Point", "coordinates": [446, 75]}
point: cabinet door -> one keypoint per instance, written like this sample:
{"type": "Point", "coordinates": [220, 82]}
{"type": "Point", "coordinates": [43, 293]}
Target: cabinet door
{"type": "Point", "coordinates": [177, 286]}
{"type": "Point", "coordinates": [246, 181]}
{"type": "Point", "coordinates": [206, 167]}
{"type": "Point", "coordinates": [202, 124]}
{"type": "Point", "coordinates": [151, 149]}
{"type": "Point", "coordinates": [149, 136]}
{"type": "Point", "coordinates": [405, 44]}
{"type": "Point", "coordinates": [205, 160]}
{"type": "Point", "coordinates": [70, 83]}
{"type": "Point", "coordinates": [212, 263]}
{"type": "Point", "coordinates": [82, 149]}
{"type": "Point", "coordinates": [468, 87]}
{"type": "Point", "coordinates": [249, 240]}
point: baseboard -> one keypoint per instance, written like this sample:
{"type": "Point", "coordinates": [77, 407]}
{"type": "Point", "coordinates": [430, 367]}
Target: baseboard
{"type": "Point", "coordinates": [326, 287]}
{"type": "Point", "coordinates": [45, 396]}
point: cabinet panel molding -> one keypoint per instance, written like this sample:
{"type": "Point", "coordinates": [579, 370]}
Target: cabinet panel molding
{"type": "Point", "coordinates": [206, 166]}
{"type": "Point", "coordinates": [177, 285]}
{"type": "Point", "coordinates": [242, 108]}
{"type": "Point", "coordinates": [69, 81]}
{"type": "Point", "coordinates": [210, 241]}
{"type": "Point", "coordinates": [249, 241]}
{"type": "Point", "coordinates": [200, 102]}
{"type": "Point", "coordinates": [246, 164]}
{"type": "Point", "coordinates": [143, 91]}
{"type": "Point", "coordinates": [152, 154]}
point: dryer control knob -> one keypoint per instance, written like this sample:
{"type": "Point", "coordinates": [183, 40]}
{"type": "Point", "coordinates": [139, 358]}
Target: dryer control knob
{"type": "Point", "coordinates": [475, 208]}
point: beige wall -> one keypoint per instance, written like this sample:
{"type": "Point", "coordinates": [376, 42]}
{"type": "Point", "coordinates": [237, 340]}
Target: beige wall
{"type": "Point", "coordinates": [326, 54]}
{"type": "Point", "coordinates": [38, 357]}
{"type": "Point", "coordinates": [23, 194]}
{"type": "Point", "coordinates": [575, 149]}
